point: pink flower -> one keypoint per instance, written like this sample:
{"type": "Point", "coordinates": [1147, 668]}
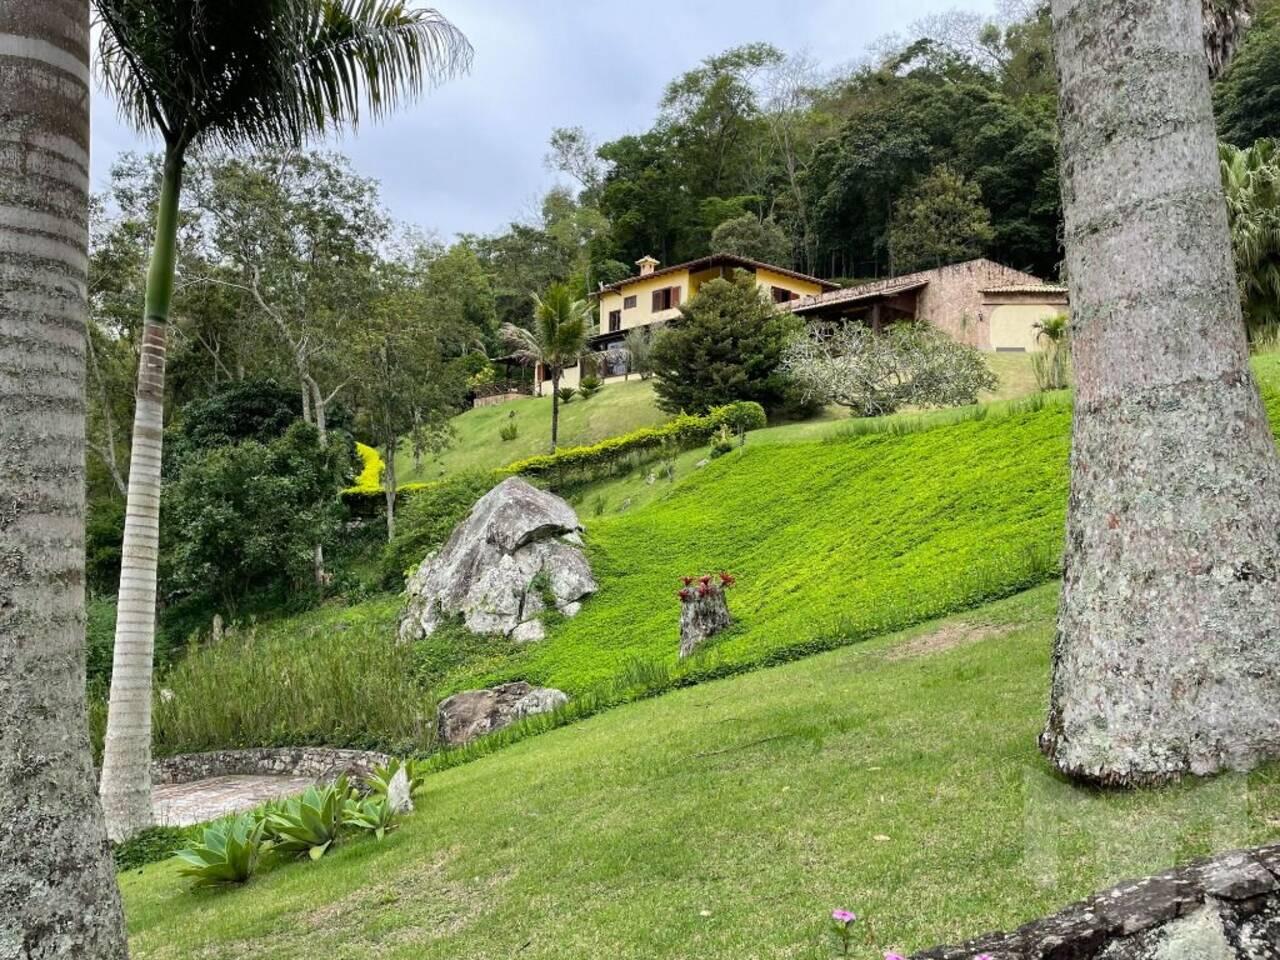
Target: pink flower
{"type": "Point", "coordinates": [894, 956]}
{"type": "Point", "coordinates": [843, 916]}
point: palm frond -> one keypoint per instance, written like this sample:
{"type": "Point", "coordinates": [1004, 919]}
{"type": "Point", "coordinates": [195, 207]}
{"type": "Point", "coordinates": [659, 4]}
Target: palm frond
{"type": "Point", "coordinates": [380, 52]}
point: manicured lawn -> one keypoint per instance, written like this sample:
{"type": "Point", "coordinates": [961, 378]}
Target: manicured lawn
{"type": "Point", "coordinates": [898, 778]}
{"type": "Point", "coordinates": [618, 408]}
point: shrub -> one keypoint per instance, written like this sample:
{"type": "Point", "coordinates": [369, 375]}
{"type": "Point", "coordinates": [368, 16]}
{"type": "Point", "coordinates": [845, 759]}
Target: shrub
{"type": "Point", "coordinates": [229, 852]}
{"type": "Point", "coordinates": [722, 442]}
{"type": "Point", "coordinates": [369, 479]}
{"type": "Point", "coordinates": [726, 345]}
{"type": "Point", "coordinates": [309, 824]}
{"type": "Point", "coordinates": [104, 537]}
{"type": "Point", "coordinates": [152, 846]}
{"type": "Point", "coordinates": [567, 394]}
{"type": "Point", "coordinates": [590, 386]}
{"type": "Point", "coordinates": [509, 430]}
{"type": "Point", "coordinates": [1050, 364]}
{"type": "Point", "coordinates": [877, 373]}
{"type": "Point", "coordinates": [371, 814]}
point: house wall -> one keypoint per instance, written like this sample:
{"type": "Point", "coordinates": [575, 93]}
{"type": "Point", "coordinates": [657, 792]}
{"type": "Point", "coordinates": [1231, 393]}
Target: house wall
{"type": "Point", "coordinates": [1012, 326]}
{"type": "Point", "coordinates": [953, 300]}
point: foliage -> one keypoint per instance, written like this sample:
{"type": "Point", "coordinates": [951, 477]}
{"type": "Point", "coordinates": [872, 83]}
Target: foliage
{"type": "Point", "coordinates": [509, 431]}
{"type": "Point", "coordinates": [152, 846]}
{"type": "Point", "coordinates": [247, 517]}
{"type": "Point", "coordinates": [369, 479]}
{"type": "Point", "coordinates": [638, 344]}
{"type": "Point", "coordinates": [1251, 179]}
{"type": "Point", "coordinates": [941, 221]}
{"type": "Point", "coordinates": [765, 770]}
{"type": "Point", "coordinates": [722, 442]}
{"type": "Point", "coordinates": [335, 675]}
{"type": "Point", "coordinates": [749, 236]}
{"type": "Point", "coordinates": [309, 823]}
{"type": "Point", "coordinates": [606, 457]}
{"type": "Point", "coordinates": [104, 537]}
{"type": "Point", "coordinates": [566, 394]}
{"type": "Point", "coordinates": [428, 518]}
{"type": "Point", "coordinates": [380, 780]}
{"type": "Point", "coordinates": [370, 814]}
{"type": "Point", "coordinates": [259, 410]}
{"type": "Point", "coordinates": [229, 852]}
{"type": "Point", "coordinates": [557, 341]}
{"type": "Point", "coordinates": [877, 373]}
{"type": "Point", "coordinates": [726, 346]}
{"type": "Point", "coordinates": [590, 386]}
{"type": "Point", "coordinates": [1247, 96]}
{"type": "Point", "coordinates": [1050, 364]}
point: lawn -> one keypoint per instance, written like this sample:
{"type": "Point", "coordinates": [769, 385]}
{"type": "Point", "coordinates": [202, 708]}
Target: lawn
{"type": "Point", "coordinates": [898, 778]}
{"type": "Point", "coordinates": [618, 408]}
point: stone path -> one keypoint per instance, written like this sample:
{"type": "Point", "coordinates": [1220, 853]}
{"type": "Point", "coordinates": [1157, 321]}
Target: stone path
{"type": "Point", "coordinates": [184, 804]}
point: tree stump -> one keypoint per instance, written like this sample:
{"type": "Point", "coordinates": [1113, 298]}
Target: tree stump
{"type": "Point", "coordinates": [702, 616]}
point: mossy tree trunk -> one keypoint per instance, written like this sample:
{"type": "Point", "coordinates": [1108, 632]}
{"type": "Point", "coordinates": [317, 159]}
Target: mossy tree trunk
{"type": "Point", "coordinates": [58, 895]}
{"type": "Point", "coordinates": [1167, 659]}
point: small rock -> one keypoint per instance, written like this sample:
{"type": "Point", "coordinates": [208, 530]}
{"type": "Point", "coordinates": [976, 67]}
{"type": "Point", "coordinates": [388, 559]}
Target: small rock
{"type": "Point", "coordinates": [651, 479]}
{"type": "Point", "coordinates": [702, 618]}
{"type": "Point", "coordinates": [702, 463]}
{"type": "Point", "coordinates": [398, 793]}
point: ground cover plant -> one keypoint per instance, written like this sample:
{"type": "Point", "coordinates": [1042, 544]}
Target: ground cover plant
{"type": "Point", "coordinates": [898, 778]}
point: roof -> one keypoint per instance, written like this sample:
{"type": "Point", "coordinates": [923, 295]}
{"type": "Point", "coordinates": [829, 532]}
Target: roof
{"type": "Point", "coordinates": [718, 260]}
{"type": "Point", "coordinates": [867, 291]}
{"type": "Point", "coordinates": [1053, 288]}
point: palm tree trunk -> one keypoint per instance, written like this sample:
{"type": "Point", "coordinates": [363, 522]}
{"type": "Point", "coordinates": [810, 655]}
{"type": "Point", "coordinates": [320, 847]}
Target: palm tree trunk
{"type": "Point", "coordinates": [1166, 659]}
{"type": "Point", "coordinates": [58, 895]}
{"type": "Point", "coordinates": [555, 409]}
{"type": "Point", "coordinates": [126, 761]}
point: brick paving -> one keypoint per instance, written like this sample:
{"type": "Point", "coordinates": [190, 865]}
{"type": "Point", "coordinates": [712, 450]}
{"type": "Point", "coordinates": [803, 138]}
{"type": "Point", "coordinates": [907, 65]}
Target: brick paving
{"type": "Point", "coordinates": [184, 804]}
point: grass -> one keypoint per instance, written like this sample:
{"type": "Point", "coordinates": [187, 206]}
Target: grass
{"type": "Point", "coordinates": [618, 408]}
{"type": "Point", "coordinates": [898, 778]}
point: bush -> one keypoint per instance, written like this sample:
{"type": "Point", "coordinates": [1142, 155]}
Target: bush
{"type": "Point", "coordinates": [509, 430]}
{"type": "Point", "coordinates": [575, 465]}
{"type": "Point", "coordinates": [590, 386]}
{"type": "Point", "coordinates": [246, 518]}
{"type": "Point", "coordinates": [722, 442]}
{"type": "Point", "coordinates": [259, 410]}
{"type": "Point", "coordinates": [308, 824]}
{"type": "Point", "coordinates": [567, 394]}
{"type": "Point", "coordinates": [726, 345]}
{"type": "Point", "coordinates": [152, 846]}
{"type": "Point", "coordinates": [229, 852]}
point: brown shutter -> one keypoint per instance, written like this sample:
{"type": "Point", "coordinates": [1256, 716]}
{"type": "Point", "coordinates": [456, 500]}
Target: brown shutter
{"type": "Point", "coordinates": [657, 300]}
{"type": "Point", "coordinates": [675, 296]}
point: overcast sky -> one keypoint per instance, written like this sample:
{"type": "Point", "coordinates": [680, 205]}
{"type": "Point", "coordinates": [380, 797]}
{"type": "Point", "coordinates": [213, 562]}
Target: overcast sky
{"type": "Point", "coordinates": [468, 158]}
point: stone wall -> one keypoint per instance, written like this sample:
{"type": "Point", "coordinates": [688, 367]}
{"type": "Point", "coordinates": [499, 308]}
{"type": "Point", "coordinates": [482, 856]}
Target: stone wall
{"type": "Point", "coordinates": [317, 762]}
{"type": "Point", "coordinates": [1226, 908]}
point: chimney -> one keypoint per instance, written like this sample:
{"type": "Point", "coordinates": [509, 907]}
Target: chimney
{"type": "Point", "coordinates": [647, 266]}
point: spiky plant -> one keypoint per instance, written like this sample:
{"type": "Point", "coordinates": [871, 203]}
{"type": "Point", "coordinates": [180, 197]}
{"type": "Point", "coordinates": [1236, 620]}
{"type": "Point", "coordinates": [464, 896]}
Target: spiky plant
{"type": "Point", "coordinates": [233, 73]}
{"type": "Point", "coordinates": [558, 340]}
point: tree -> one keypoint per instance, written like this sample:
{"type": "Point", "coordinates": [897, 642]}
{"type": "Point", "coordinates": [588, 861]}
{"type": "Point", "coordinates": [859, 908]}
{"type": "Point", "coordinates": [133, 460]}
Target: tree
{"type": "Point", "coordinates": [58, 892]}
{"type": "Point", "coordinates": [749, 236]}
{"type": "Point", "coordinates": [406, 381]}
{"type": "Point", "coordinates": [874, 374]}
{"type": "Point", "coordinates": [232, 72]}
{"type": "Point", "coordinates": [726, 345]}
{"type": "Point", "coordinates": [638, 346]}
{"type": "Point", "coordinates": [942, 221]}
{"type": "Point", "coordinates": [558, 340]}
{"type": "Point", "coordinates": [1165, 661]}
{"type": "Point", "coordinates": [1252, 181]}
{"type": "Point", "coordinates": [1223, 23]}
{"type": "Point", "coordinates": [1247, 96]}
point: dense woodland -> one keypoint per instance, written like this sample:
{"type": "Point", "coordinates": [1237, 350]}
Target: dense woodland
{"type": "Point", "coordinates": [300, 297]}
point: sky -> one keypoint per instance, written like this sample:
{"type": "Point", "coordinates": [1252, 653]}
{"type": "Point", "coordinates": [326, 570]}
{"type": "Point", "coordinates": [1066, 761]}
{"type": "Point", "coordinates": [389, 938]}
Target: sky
{"type": "Point", "coordinates": [469, 156]}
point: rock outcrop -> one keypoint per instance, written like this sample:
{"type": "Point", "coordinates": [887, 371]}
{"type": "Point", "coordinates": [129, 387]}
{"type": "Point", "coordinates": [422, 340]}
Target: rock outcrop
{"type": "Point", "coordinates": [473, 713]}
{"type": "Point", "coordinates": [518, 551]}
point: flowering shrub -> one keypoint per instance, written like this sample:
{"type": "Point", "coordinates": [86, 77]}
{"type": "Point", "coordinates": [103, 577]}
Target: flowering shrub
{"type": "Point", "coordinates": [370, 477]}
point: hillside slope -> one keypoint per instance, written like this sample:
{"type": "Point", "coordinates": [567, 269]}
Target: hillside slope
{"type": "Point", "coordinates": [898, 778]}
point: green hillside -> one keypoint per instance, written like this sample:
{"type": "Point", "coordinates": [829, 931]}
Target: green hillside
{"type": "Point", "coordinates": [898, 778]}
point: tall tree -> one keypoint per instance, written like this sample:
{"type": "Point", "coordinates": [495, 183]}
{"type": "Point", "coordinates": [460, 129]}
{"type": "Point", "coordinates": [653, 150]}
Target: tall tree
{"type": "Point", "coordinates": [558, 340]}
{"type": "Point", "coordinates": [233, 72]}
{"type": "Point", "coordinates": [941, 221]}
{"type": "Point", "coordinates": [1165, 661]}
{"type": "Point", "coordinates": [58, 896]}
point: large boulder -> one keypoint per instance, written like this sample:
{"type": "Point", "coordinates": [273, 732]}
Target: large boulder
{"type": "Point", "coordinates": [518, 551]}
{"type": "Point", "coordinates": [473, 713]}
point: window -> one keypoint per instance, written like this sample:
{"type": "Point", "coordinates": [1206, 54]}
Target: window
{"type": "Point", "coordinates": [783, 295]}
{"type": "Point", "coordinates": [615, 320]}
{"type": "Point", "coordinates": [629, 303]}
{"type": "Point", "coordinates": [668, 298]}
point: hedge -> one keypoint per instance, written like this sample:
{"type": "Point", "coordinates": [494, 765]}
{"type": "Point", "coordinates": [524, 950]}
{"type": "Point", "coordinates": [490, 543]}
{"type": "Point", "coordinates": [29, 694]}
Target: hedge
{"type": "Point", "coordinates": [575, 465]}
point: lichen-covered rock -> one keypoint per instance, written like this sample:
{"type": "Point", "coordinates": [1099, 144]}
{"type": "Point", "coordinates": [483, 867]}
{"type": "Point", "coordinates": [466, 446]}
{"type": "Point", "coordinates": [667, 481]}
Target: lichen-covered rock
{"type": "Point", "coordinates": [473, 713]}
{"type": "Point", "coordinates": [701, 618]}
{"type": "Point", "coordinates": [518, 550]}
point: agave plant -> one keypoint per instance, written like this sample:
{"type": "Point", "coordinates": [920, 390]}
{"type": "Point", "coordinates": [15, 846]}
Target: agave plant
{"type": "Point", "coordinates": [379, 782]}
{"type": "Point", "coordinates": [373, 814]}
{"type": "Point", "coordinates": [230, 852]}
{"type": "Point", "coordinates": [309, 823]}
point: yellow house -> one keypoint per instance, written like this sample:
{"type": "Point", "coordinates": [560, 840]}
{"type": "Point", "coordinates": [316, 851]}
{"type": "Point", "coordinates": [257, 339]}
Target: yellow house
{"type": "Point", "coordinates": [653, 297]}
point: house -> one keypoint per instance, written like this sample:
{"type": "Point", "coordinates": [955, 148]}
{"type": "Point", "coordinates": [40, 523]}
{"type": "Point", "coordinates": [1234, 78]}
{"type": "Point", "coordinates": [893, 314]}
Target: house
{"type": "Point", "coordinates": [653, 297]}
{"type": "Point", "coordinates": [980, 303]}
